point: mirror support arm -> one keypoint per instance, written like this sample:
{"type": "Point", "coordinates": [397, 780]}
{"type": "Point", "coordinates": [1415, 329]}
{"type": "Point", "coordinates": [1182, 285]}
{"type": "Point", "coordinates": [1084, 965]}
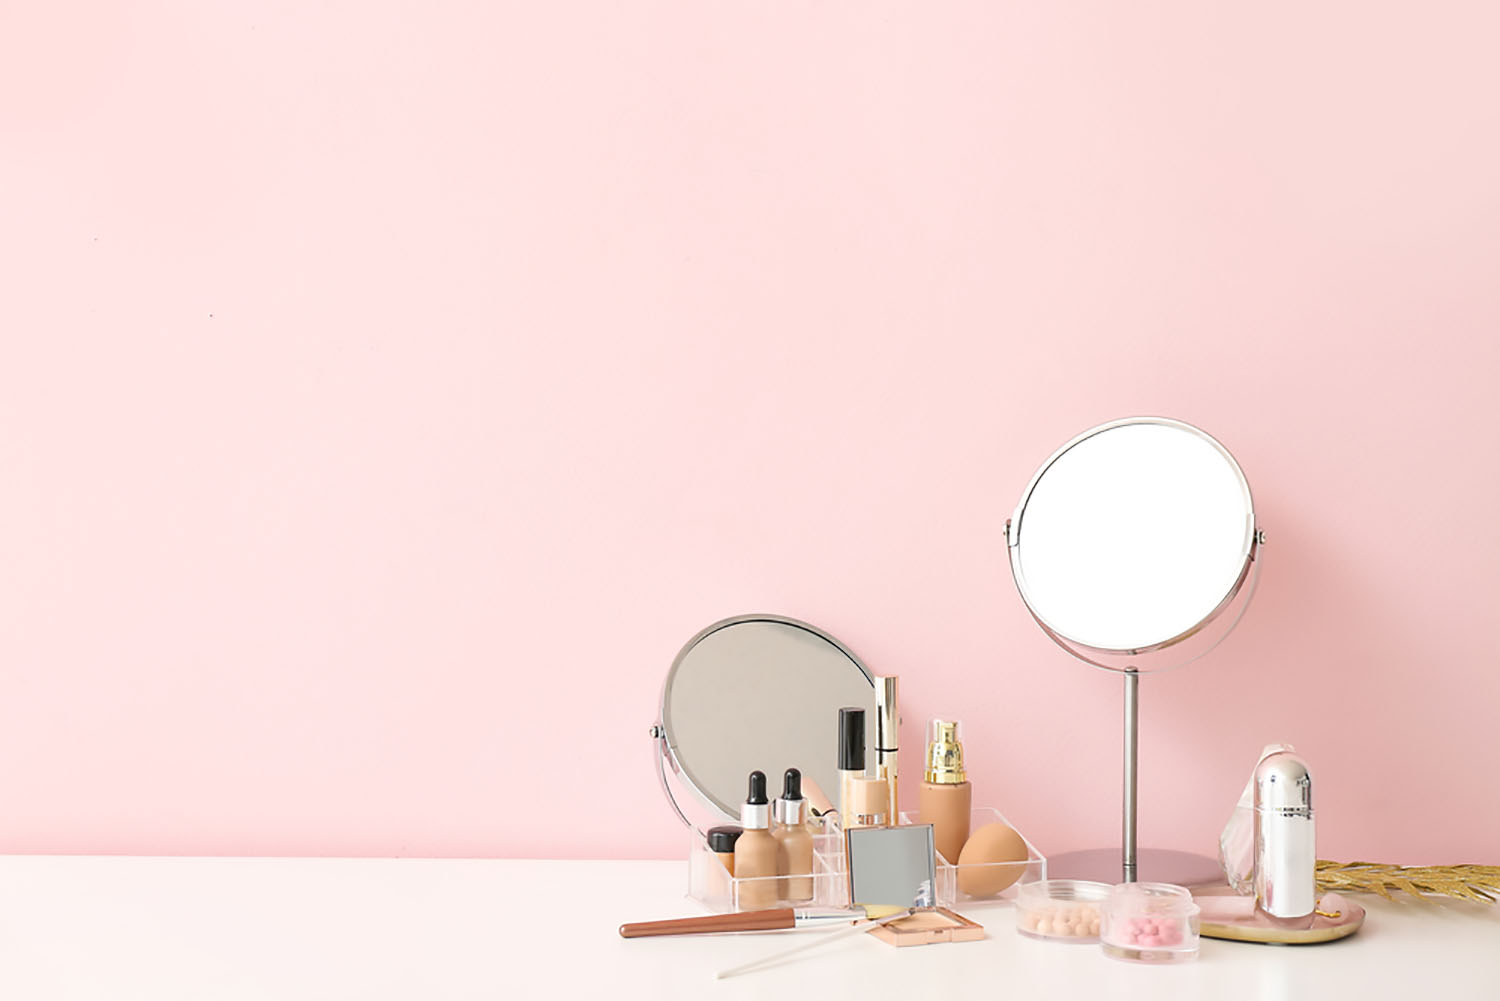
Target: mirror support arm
{"type": "Point", "coordinates": [659, 750]}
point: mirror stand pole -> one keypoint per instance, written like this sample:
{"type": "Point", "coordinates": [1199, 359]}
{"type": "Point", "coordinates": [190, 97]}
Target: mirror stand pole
{"type": "Point", "coordinates": [1132, 731]}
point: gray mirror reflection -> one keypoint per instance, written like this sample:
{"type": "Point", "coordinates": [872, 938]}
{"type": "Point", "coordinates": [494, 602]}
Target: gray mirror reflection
{"type": "Point", "coordinates": [760, 692]}
{"type": "Point", "coordinates": [892, 866]}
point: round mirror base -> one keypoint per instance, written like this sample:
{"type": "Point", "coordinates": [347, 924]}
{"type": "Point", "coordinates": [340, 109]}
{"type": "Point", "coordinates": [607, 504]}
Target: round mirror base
{"type": "Point", "coordinates": [1153, 865]}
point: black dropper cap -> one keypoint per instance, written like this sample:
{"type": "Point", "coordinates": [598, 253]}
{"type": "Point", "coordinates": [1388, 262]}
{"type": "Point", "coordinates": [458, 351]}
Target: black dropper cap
{"type": "Point", "coordinates": [757, 795]}
{"type": "Point", "coordinates": [851, 739]}
{"type": "Point", "coordinates": [791, 784]}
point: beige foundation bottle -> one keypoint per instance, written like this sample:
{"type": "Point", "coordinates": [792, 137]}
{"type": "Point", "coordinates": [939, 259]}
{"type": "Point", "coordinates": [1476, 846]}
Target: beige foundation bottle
{"type": "Point", "coordinates": [851, 758]}
{"type": "Point", "coordinates": [871, 805]}
{"type": "Point", "coordinates": [794, 843]}
{"type": "Point", "coordinates": [755, 851]}
{"type": "Point", "coordinates": [947, 797]}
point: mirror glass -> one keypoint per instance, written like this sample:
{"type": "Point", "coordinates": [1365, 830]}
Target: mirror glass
{"type": "Point", "coordinates": [1133, 535]}
{"type": "Point", "coordinates": [760, 692]}
{"type": "Point", "coordinates": [892, 866]}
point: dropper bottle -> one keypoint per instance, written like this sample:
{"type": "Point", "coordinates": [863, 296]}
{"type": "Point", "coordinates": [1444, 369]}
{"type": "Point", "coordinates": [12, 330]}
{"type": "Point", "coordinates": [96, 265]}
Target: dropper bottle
{"type": "Point", "coordinates": [755, 851]}
{"type": "Point", "coordinates": [794, 844]}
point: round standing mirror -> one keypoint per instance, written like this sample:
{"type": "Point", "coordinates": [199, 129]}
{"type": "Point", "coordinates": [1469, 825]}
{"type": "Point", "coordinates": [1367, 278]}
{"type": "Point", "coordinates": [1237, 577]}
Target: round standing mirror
{"type": "Point", "coordinates": [756, 692]}
{"type": "Point", "coordinates": [1133, 537]}
{"type": "Point", "coordinates": [1134, 547]}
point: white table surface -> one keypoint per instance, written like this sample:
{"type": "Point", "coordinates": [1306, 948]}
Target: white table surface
{"type": "Point", "coordinates": [167, 928]}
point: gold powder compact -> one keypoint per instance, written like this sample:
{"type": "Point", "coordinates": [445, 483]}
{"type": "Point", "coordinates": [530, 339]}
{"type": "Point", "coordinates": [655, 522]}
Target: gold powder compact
{"type": "Point", "coordinates": [893, 869]}
{"type": "Point", "coordinates": [929, 927]}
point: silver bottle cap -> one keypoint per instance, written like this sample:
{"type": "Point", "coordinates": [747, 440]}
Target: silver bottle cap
{"type": "Point", "coordinates": [790, 812]}
{"type": "Point", "coordinates": [755, 816]}
{"type": "Point", "coordinates": [755, 812]}
{"type": "Point", "coordinates": [1283, 784]}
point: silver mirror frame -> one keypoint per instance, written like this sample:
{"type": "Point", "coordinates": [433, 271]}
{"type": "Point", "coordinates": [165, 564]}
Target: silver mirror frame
{"type": "Point", "coordinates": [1244, 583]}
{"type": "Point", "coordinates": [661, 738]}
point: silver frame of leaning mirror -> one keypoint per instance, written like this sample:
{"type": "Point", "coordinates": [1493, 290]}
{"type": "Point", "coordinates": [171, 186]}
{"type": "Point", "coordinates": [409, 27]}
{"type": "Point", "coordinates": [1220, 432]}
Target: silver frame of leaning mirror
{"type": "Point", "coordinates": [662, 749]}
{"type": "Point", "coordinates": [1094, 656]}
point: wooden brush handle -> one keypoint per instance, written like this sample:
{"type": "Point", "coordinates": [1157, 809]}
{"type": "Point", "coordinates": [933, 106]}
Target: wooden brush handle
{"type": "Point", "coordinates": [782, 917]}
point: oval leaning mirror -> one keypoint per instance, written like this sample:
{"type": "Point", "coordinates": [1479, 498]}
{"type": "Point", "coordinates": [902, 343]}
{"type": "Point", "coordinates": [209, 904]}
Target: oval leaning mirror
{"type": "Point", "coordinates": [1134, 547]}
{"type": "Point", "coordinates": [755, 692]}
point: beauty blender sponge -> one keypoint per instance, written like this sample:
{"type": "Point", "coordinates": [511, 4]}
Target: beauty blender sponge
{"type": "Point", "coordinates": [978, 876]}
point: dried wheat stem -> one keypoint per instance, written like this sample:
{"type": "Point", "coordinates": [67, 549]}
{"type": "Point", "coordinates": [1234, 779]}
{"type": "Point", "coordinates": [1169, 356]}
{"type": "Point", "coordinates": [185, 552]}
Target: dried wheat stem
{"type": "Point", "coordinates": [1467, 882]}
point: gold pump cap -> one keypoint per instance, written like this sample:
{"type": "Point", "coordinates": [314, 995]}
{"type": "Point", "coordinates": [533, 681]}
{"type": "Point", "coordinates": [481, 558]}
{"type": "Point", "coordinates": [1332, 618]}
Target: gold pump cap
{"type": "Point", "coordinates": [945, 753]}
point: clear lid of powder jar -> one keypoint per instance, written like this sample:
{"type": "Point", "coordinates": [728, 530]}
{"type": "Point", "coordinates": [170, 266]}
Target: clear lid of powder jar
{"type": "Point", "coordinates": [1063, 910]}
{"type": "Point", "coordinates": [1150, 923]}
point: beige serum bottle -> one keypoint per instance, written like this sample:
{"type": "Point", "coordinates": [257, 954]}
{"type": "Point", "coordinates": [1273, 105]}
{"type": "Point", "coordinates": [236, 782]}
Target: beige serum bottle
{"type": "Point", "coordinates": [947, 797]}
{"type": "Point", "coordinates": [794, 843]}
{"type": "Point", "coordinates": [755, 850]}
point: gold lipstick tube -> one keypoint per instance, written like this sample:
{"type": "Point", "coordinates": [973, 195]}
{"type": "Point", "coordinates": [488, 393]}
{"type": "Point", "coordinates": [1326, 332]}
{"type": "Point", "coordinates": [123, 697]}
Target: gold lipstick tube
{"type": "Point", "coordinates": [887, 742]}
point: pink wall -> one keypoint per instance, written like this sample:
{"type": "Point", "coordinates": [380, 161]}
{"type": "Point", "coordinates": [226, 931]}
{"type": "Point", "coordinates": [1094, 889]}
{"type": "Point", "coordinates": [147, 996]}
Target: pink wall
{"type": "Point", "coordinates": [387, 392]}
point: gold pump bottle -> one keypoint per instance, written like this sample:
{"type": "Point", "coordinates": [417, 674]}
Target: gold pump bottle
{"type": "Point", "coordinates": [946, 798]}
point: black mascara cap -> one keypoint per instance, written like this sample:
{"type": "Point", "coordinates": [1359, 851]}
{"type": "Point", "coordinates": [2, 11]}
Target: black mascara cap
{"type": "Point", "coordinates": [851, 739]}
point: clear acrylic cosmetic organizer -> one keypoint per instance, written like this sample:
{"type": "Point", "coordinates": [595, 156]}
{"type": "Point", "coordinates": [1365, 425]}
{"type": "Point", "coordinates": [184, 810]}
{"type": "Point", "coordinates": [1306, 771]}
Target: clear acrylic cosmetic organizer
{"type": "Point", "coordinates": [710, 883]}
{"type": "Point", "coordinates": [952, 877]}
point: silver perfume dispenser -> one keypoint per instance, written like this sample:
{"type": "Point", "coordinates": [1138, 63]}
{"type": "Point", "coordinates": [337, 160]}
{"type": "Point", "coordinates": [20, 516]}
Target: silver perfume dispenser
{"type": "Point", "coordinates": [1286, 847]}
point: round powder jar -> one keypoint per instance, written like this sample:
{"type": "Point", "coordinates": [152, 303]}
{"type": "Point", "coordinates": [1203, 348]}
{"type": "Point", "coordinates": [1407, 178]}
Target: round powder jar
{"type": "Point", "coordinates": [1061, 910]}
{"type": "Point", "coordinates": [1150, 923]}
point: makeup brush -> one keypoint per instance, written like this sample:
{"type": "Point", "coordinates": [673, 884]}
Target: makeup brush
{"type": "Point", "coordinates": [857, 928]}
{"type": "Point", "coordinates": [771, 920]}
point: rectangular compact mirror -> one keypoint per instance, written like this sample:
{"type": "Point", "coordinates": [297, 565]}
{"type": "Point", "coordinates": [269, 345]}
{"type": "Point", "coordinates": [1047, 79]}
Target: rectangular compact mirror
{"type": "Point", "coordinates": [891, 868]}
